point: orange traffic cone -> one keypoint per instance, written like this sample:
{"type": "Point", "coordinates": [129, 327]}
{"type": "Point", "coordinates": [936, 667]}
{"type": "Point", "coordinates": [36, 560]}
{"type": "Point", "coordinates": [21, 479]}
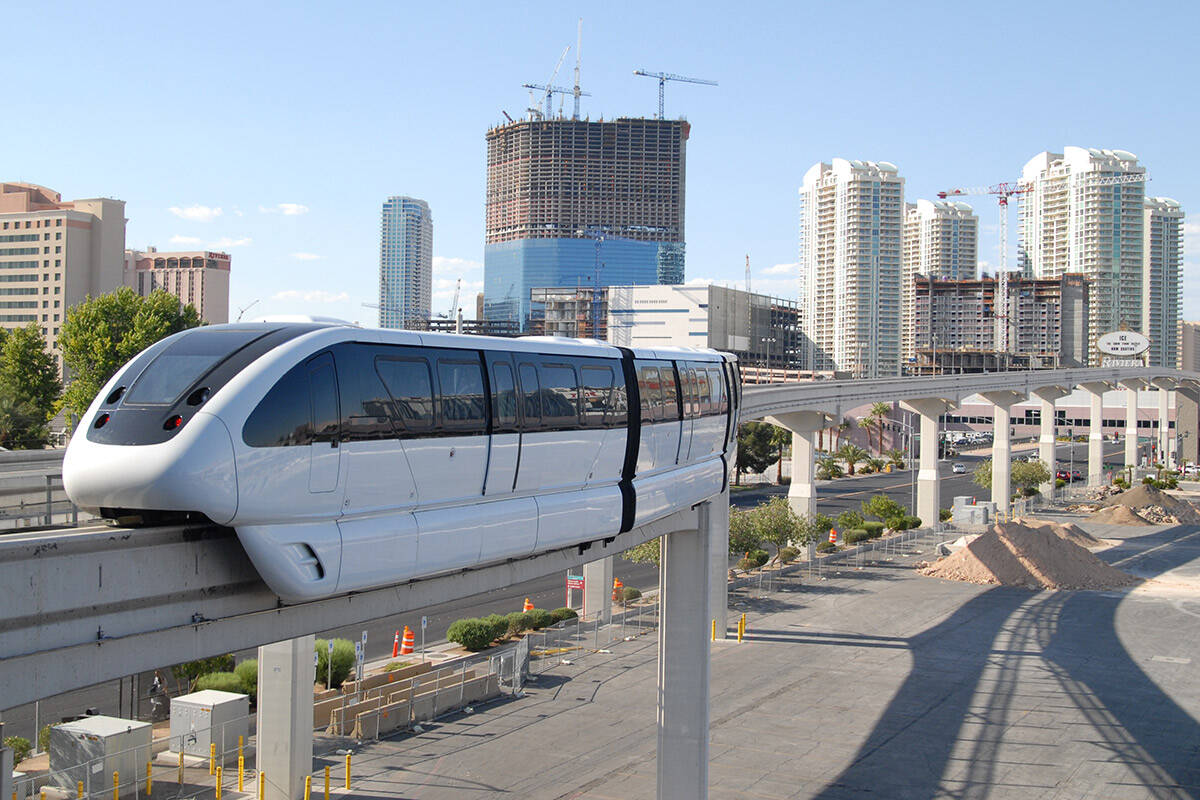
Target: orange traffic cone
{"type": "Point", "coordinates": [409, 640]}
{"type": "Point", "coordinates": [617, 587]}
{"type": "Point", "coordinates": [396, 645]}
{"type": "Point", "coordinates": [528, 605]}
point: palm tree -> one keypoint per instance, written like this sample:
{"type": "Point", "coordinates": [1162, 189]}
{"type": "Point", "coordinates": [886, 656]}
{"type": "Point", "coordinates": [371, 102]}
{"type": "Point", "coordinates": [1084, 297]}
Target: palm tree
{"type": "Point", "coordinates": [876, 464]}
{"type": "Point", "coordinates": [868, 425]}
{"type": "Point", "coordinates": [896, 456]}
{"type": "Point", "coordinates": [839, 429]}
{"type": "Point", "coordinates": [880, 411]}
{"type": "Point", "coordinates": [851, 454]}
{"type": "Point", "coordinates": [828, 468]}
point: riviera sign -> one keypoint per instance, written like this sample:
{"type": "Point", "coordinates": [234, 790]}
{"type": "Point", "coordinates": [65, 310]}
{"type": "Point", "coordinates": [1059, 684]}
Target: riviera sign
{"type": "Point", "coordinates": [1123, 344]}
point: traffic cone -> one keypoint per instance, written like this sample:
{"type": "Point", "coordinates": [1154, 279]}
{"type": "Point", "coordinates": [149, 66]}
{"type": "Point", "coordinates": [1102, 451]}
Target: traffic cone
{"type": "Point", "coordinates": [528, 605]}
{"type": "Point", "coordinates": [617, 587]}
{"type": "Point", "coordinates": [396, 645]}
{"type": "Point", "coordinates": [833, 535]}
{"type": "Point", "coordinates": [409, 639]}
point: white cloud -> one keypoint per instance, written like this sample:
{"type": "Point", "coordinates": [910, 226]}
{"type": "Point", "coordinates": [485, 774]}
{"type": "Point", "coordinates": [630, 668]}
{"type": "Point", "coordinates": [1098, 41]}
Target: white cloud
{"type": "Point", "coordinates": [196, 213]}
{"type": "Point", "coordinates": [184, 240]}
{"type": "Point", "coordinates": [313, 296]}
{"type": "Point", "coordinates": [783, 269]}
{"type": "Point", "coordinates": [699, 281]}
{"type": "Point", "coordinates": [226, 242]}
{"type": "Point", "coordinates": [455, 266]}
{"type": "Point", "coordinates": [306, 256]}
{"type": "Point", "coordinates": [287, 209]}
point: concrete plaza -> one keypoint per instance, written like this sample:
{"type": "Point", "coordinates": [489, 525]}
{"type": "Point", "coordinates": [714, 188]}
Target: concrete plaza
{"type": "Point", "coordinates": [870, 683]}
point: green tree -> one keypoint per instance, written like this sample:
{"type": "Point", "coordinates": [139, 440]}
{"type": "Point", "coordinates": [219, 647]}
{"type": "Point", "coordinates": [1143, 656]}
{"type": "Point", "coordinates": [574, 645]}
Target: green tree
{"type": "Point", "coordinates": [896, 457]}
{"type": "Point", "coordinates": [868, 424]}
{"type": "Point", "coordinates": [191, 670]}
{"type": "Point", "coordinates": [644, 553]}
{"type": "Point", "coordinates": [755, 447]}
{"type": "Point", "coordinates": [1029, 475]}
{"type": "Point", "coordinates": [879, 412]}
{"type": "Point", "coordinates": [829, 468]}
{"type": "Point", "coordinates": [882, 507]}
{"type": "Point", "coordinates": [743, 533]}
{"type": "Point", "coordinates": [776, 523]}
{"type": "Point", "coordinates": [782, 439]}
{"type": "Point", "coordinates": [982, 476]}
{"type": "Point", "coordinates": [102, 333]}
{"type": "Point", "coordinates": [22, 424]}
{"type": "Point", "coordinates": [851, 454]}
{"type": "Point", "coordinates": [28, 370]}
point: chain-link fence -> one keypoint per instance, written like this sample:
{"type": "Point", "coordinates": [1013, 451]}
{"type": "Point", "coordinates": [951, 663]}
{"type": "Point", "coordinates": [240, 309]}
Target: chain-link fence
{"type": "Point", "coordinates": [582, 637]}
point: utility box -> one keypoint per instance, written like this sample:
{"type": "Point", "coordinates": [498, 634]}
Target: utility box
{"type": "Point", "coordinates": [209, 717]}
{"type": "Point", "coordinates": [91, 749]}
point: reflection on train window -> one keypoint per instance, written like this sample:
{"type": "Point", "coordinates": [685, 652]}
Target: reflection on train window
{"type": "Point", "coordinates": [531, 405]}
{"type": "Point", "coordinates": [282, 418]}
{"type": "Point", "coordinates": [670, 390]}
{"type": "Point", "coordinates": [597, 395]}
{"type": "Point", "coordinates": [322, 383]}
{"type": "Point", "coordinates": [411, 389]}
{"type": "Point", "coordinates": [650, 388]}
{"type": "Point", "coordinates": [504, 398]}
{"type": "Point", "coordinates": [461, 396]}
{"type": "Point", "coordinates": [691, 399]}
{"type": "Point", "coordinates": [560, 396]}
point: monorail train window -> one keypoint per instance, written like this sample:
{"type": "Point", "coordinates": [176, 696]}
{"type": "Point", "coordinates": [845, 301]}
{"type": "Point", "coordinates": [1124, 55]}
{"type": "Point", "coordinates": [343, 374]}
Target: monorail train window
{"type": "Point", "coordinates": [719, 399]}
{"type": "Point", "coordinates": [670, 389]}
{"type": "Point", "coordinates": [184, 362]}
{"type": "Point", "coordinates": [461, 396]}
{"type": "Point", "coordinates": [619, 414]}
{"type": "Point", "coordinates": [283, 417]}
{"type": "Point", "coordinates": [704, 391]}
{"type": "Point", "coordinates": [560, 395]}
{"type": "Point", "coordinates": [531, 397]}
{"type": "Point", "coordinates": [411, 388]}
{"type": "Point", "coordinates": [322, 384]}
{"type": "Point", "coordinates": [650, 388]}
{"type": "Point", "coordinates": [597, 395]}
{"type": "Point", "coordinates": [691, 400]}
{"type": "Point", "coordinates": [504, 398]}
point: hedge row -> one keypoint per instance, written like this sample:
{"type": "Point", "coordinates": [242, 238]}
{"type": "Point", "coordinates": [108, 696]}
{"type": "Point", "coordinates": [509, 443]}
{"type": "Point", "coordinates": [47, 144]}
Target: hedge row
{"type": "Point", "coordinates": [478, 632]}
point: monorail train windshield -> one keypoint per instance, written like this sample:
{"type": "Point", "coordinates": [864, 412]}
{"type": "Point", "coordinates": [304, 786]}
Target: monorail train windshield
{"type": "Point", "coordinates": [187, 360]}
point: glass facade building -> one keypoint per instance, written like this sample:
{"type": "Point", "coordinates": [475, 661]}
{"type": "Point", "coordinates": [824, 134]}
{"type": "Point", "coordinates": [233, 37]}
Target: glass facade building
{"type": "Point", "coordinates": [405, 263]}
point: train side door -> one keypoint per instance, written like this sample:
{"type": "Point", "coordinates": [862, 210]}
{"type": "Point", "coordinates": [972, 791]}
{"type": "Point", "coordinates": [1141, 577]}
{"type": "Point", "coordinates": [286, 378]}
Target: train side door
{"type": "Point", "coordinates": [325, 455]}
{"type": "Point", "coordinates": [506, 436]}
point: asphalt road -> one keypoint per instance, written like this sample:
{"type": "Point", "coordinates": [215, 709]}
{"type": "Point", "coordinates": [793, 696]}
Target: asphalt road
{"type": "Point", "coordinates": [113, 697]}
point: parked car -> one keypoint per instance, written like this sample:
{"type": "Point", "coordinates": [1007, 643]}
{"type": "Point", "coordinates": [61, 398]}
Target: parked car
{"type": "Point", "coordinates": [958, 468]}
{"type": "Point", "coordinates": [1076, 475]}
{"type": "Point", "coordinates": [1192, 469]}
{"type": "Point", "coordinates": [1062, 475]}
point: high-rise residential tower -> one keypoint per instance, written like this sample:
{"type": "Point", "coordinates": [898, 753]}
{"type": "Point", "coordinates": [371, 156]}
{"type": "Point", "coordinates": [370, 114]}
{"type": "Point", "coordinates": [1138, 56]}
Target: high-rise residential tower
{"type": "Point", "coordinates": [53, 254]}
{"type": "Point", "coordinates": [1084, 213]}
{"type": "Point", "coordinates": [941, 241]}
{"type": "Point", "coordinates": [581, 203]}
{"type": "Point", "coordinates": [197, 277]}
{"type": "Point", "coordinates": [405, 263]}
{"type": "Point", "coordinates": [851, 217]}
{"type": "Point", "coordinates": [1162, 289]}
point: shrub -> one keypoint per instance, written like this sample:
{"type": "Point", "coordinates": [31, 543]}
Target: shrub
{"type": "Point", "coordinates": [944, 514]}
{"type": "Point", "coordinates": [895, 523]}
{"type": "Point", "coordinates": [1059, 483]}
{"type": "Point", "coordinates": [392, 666]}
{"type": "Point", "coordinates": [787, 554]}
{"type": "Point", "coordinates": [631, 593]}
{"type": "Point", "coordinates": [499, 624]}
{"type": "Point", "coordinates": [1120, 483]}
{"type": "Point", "coordinates": [912, 522]}
{"type": "Point", "coordinates": [519, 621]}
{"type": "Point", "coordinates": [247, 673]}
{"type": "Point", "coordinates": [473, 634]}
{"type": "Point", "coordinates": [44, 736]}
{"type": "Point", "coordinates": [539, 618]}
{"type": "Point", "coordinates": [747, 564]}
{"type": "Point", "coordinates": [874, 529]}
{"type": "Point", "coordinates": [849, 519]}
{"type": "Point", "coordinates": [343, 661]}
{"type": "Point", "coordinates": [1148, 481]}
{"type": "Point", "coordinates": [826, 547]}
{"type": "Point", "coordinates": [760, 557]}
{"type": "Point", "coordinates": [220, 681]}
{"type": "Point", "coordinates": [562, 614]}
{"type": "Point", "coordinates": [20, 747]}
{"type": "Point", "coordinates": [191, 670]}
{"type": "Point", "coordinates": [855, 535]}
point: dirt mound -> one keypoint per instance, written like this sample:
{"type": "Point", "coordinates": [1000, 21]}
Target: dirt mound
{"type": "Point", "coordinates": [1142, 496]}
{"type": "Point", "coordinates": [1012, 554]}
{"type": "Point", "coordinates": [1118, 515]}
{"type": "Point", "coordinates": [1069, 531]}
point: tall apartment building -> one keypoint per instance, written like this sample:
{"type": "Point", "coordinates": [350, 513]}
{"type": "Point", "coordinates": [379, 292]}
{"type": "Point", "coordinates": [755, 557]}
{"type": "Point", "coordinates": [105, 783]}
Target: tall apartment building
{"type": "Point", "coordinates": [851, 219]}
{"type": "Point", "coordinates": [1080, 216]}
{"type": "Point", "coordinates": [1162, 274]}
{"type": "Point", "coordinates": [199, 278]}
{"type": "Point", "coordinates": [405, 263]}
{"type": "Point", "coordinates": [576, 202]}
{"type": "Point", "coordinates": [1189, 346]}
{"type": "Point", "coordinates": [940, 240]}
{"type": "Point", "coordinates": [54, 253]}
{"type": "Point", "coordinates": [957, 324]}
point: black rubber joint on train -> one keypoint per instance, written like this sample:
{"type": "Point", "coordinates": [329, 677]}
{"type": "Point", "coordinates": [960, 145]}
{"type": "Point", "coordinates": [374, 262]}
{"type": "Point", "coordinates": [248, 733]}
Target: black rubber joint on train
{"type": "Point", "coordinates": [633, 440]}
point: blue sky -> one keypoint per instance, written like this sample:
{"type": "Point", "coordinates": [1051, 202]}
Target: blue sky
{"type": "Point", "coordinates": [276, 131]}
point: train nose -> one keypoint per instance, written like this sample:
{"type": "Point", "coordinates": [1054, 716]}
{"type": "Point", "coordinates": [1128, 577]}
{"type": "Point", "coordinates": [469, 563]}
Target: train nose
{"type": "Point", "coordinates": [193, 471]}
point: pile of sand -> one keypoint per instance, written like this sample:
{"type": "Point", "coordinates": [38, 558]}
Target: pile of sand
{"type": "Point", "coordinates": [1012, 554]}
{"type": "Point", "coordinates": [1142, 496]}
{"type": "Point", "coordinates": [1069, 531]}
{"type": "Point", "coordinates": [1119, 515]}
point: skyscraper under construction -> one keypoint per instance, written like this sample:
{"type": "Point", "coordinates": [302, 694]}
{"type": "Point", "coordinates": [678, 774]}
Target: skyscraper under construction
{"type": "Point", "coordinates": [579, 203]}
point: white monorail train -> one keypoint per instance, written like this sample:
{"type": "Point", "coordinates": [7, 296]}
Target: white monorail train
{"type": "Point", "coordinates": [349, 458]}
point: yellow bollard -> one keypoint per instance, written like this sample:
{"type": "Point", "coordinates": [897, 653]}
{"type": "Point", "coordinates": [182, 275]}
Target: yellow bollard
{"type": "Point", "coordinates": [181, 766]}
{"type": "Point", "coordinates": [308, 787]}
{"type": "Point", "coordinates": [79, 789]}
{"type": "Point", "coordinates": [327, 783]}
{"type": "Point", "coordinates": [714, 630]}
{"type": "Point", "coordinates": [43, 793]}
{"type": "Point", "coordinates": [262, 785]}
{"type": "Point", "coordinates": [241, 741]}
{"type": "Point", "coordinates": [212, 758]}
{"type": "Point", "coordinates": [241, 771]}
{"type": "Point", "coordinates": [116, 785]}
{"type": "Point", "coordinates": [347, 770]}
{"type": "Point", "coordinates": [218, 784]}
{"type": "Point", "coordinates": [149, 778]}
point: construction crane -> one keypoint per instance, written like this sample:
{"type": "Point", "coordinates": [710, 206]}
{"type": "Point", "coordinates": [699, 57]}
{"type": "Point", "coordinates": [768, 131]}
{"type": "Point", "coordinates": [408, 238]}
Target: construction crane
{"type": "Point", "coordinates": [549, 89]}
{"type": "Point", "coordinates": [454, 302]}
{"type": "Point", "coordinates": [663, 77]}
{"type": "Point", "coordinates": [1003, 191]}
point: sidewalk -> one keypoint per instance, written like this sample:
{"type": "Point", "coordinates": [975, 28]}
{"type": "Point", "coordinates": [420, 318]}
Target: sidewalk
{"type": "Point", "coordinates": [873, 682]}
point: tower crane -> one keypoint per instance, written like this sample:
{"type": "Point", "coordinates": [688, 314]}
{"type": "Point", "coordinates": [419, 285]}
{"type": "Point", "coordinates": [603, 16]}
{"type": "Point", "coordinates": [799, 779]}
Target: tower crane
{"type": "Point", "coordinates": [1003, 191]}
{"type": "Point", "coordinates": [549, 89]}
{"type": "Point", "coordinates": [663, 77]}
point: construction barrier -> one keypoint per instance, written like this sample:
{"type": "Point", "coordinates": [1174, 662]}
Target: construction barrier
{"type": "Point", "coordinates": [406, 646]}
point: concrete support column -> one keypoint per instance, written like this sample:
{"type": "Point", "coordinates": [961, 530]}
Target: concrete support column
{"type": "Point", "coordinates": [1164, 428]}
{"type": "Point", "coordinates": [6, 770]}
{"type": "Point", "coordinates": [929, 491]}
{"type": "Point", "coordinates": [286, 674]}
{"type": "Point", "coordinates": [1095, 474]}
{"type": "Point", "coordinates": [802, 493]}
{"type": "Point", "coordinates": [1131, 428]}
{"type": "Point", "coordinates": [1047, 444]}
{"type": "Point", "coordinates": [683, 662]}
{"type": "Point", "coordinates": [718, 563]}
{"type": "Point", "coordinates": [1187, 420]}
{"type": "Point", "coordinates": [598, 588]}
{"type": "Point", "coordinates": [1002, 403]}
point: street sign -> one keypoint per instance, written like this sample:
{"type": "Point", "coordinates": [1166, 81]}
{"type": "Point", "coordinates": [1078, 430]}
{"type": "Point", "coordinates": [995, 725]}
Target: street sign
{"type": "Point", "coordinates": [364, 640]}
{"type": "Point", "coordinates": [574, 581]}
{"type": "Point", "coordinates": [316, 658]}
{"type": "Point", "coordinates": [331, 646]}
{"type": "Point", "coordinates": [358, 651]}
{"type": "Point", "coordinates": [424, 623]}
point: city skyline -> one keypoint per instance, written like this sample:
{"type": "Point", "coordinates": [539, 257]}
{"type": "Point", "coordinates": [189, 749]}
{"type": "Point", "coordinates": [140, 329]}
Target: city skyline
{"type": "Point", "coordinates": [291, 185]}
